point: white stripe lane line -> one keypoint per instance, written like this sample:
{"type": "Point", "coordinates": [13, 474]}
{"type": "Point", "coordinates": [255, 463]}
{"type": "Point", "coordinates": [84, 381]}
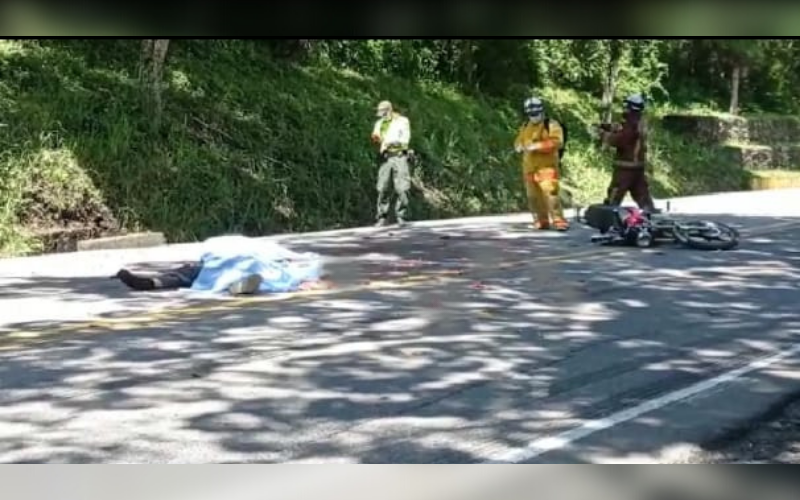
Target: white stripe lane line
{"type": "Point", "coordinates": [565, 439]}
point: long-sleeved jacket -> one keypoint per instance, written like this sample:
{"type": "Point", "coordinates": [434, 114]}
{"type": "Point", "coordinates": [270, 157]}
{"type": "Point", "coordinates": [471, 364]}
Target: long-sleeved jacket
{"type": "Point", "coordinates": [393, 134]}
{"type": "Point", "coordinates": [630, 142]}
{"type": "Point", "coordinates": [545, 144]}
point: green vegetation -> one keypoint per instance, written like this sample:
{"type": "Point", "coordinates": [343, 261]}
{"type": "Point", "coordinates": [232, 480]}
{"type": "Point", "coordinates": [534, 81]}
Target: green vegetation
{"type": "Point", "coordinates": [273, 136]}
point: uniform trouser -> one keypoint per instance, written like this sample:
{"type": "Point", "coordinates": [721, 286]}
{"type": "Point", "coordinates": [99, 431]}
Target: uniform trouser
{"type": "Point", "coordinates": [542, 187]}
{"type": "Point", "coordinates": [630, 180]}
{"type": "Point", "coordinates": [394, 174]}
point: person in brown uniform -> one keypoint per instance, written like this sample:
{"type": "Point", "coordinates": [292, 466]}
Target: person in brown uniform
{"type": "Point", "coordinates": [630, 161]}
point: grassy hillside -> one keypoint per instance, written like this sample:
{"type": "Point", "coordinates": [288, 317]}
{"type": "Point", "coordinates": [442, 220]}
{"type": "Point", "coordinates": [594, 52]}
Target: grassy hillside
{"type": "Point", "coordinates": [260, 147]}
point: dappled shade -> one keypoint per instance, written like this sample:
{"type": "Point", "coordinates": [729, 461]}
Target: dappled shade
{"type": "Point", "coordinates": [513, 336]}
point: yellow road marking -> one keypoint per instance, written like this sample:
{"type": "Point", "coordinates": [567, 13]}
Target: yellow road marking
{"type": "Point", "coordinates": [138, 320]}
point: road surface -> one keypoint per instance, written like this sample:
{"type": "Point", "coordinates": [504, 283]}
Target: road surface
{"type": "Point", "coordinates": [469, 341]}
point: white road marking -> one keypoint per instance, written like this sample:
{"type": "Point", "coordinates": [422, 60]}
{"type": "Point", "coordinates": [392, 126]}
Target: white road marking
{"type": "Point", "coordinates": [565, 439]}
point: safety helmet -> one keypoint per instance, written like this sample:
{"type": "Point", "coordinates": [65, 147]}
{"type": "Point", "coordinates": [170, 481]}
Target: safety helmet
{"type": "Point", "coordinates": [635, 103]}
{"type": "Point", "coordinates": [533, 108]}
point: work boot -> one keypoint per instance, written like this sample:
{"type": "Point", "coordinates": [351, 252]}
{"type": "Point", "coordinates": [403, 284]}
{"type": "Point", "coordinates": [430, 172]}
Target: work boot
{"type": "Point", "coordinates": [561, 225]}
{"type": "Point", "coordinates": [246, 286]}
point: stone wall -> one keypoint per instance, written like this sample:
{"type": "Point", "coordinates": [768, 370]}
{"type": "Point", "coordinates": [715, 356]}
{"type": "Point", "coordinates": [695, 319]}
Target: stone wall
{"type": "Point", "coordinates": [759, 143]}
{"type": "Point", "coordinates": [708, 129]}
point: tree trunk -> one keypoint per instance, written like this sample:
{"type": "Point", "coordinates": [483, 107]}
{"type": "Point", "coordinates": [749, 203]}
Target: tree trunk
{"type": "Point", "coordinates": [468, 61]}
{"type": "Point", "coordinates": [736, 80]}
{"type": "Point", "coordinates": [296, 49]}
{"type": "Point", "coordinates": [151, 72]}
{"type": "Point", "coordinates": [610, 81]}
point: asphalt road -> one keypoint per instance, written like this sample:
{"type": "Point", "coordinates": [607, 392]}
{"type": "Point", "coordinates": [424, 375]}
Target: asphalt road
{"type": "Point", "coordinates": [460, 342]}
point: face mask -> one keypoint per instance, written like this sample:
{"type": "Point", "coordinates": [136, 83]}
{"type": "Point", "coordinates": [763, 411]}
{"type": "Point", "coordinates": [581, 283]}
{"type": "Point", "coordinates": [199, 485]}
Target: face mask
{"type": "Point", "coordinates": [630, 115]}
{"type": "Point", "coordinates": [536, 118]}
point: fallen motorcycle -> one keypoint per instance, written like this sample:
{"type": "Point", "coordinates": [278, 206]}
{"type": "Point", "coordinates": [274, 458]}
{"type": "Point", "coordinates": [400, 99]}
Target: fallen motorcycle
{"type": "Point", "coordinates": [635, 227]}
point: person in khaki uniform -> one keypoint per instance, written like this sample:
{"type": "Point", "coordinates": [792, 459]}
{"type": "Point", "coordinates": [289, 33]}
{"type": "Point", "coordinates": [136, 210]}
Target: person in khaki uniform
{"type": "Point", "coordinates": [392, 135]}
{"type": "Point", "coordinates": [539, 141]}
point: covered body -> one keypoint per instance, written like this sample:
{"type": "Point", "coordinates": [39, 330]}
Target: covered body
{"type": "Point", "coordinates": [230, 259]}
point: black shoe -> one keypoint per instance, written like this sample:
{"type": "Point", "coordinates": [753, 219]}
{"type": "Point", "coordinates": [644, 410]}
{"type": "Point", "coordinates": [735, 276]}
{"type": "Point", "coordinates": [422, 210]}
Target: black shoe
{"type": "Point", "coordinates": [136, 282]}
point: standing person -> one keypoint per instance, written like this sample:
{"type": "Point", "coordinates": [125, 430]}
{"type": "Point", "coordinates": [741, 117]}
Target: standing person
{"type": "Point", "coordinates": [539, 141]}
{"type": "Point", "coordinates": [392, 134]}
{"type": "Point", "coordinates": [630, 162]}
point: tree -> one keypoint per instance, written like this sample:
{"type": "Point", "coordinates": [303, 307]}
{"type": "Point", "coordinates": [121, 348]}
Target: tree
{"type": "Point", "coordinates": [738, 55]}
{"type": "Point", "coordinates": [151, 74]}
{"type": "Point", "coordinates": [501, 66]}
{"type": "Point", "coordinates": [294, 49]}
{"type": "Point", "coordinates": [615, 53]}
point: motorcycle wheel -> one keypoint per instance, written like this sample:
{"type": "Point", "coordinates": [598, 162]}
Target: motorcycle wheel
{"type": "Point", "coordinates": [644, 240]}
{"type": "Point", "coordinates": [706, 235]}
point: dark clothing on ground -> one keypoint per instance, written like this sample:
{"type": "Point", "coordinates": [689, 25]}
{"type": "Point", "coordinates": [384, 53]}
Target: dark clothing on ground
{"type": "Point", "coordinates": [183, 277]}
{"type": "Point", "coordinates": [173, 279]}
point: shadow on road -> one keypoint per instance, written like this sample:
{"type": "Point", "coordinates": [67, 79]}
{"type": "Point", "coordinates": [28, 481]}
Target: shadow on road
{"type": "Point", "coordinates": [448, 372]}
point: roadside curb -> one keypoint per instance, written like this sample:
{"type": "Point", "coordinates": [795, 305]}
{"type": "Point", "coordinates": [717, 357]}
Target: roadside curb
{"type": "Point", "coordinates": [124, 242]}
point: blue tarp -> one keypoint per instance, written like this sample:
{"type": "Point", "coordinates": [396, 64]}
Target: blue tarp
{"type": "Point", "coordinates": [228, 259]}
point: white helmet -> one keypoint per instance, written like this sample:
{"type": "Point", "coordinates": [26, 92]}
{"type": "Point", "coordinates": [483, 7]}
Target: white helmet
{"type": "Point", "coordinates": [635, 103]}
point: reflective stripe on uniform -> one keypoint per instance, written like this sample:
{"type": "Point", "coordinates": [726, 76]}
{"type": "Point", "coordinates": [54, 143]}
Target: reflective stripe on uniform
{"type": "Point", "coordinates": [628, 164]}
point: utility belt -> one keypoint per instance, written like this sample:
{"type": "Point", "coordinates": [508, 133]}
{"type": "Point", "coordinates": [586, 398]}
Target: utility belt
{"type": "Point", "coordinates": [629, 164]}
{"type": "Point", "coordinates": [392, 154]}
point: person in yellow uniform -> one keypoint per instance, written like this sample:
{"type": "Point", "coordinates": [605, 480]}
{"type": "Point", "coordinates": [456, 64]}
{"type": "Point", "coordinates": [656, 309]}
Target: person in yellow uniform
{"type": "Point", "coordinates": [539, 141]}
